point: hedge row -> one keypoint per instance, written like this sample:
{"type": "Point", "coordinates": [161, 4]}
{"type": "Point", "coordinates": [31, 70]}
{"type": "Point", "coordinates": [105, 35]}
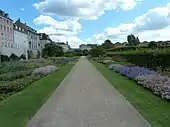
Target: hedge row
{"type": "Point", "coordinates": [153, 59]}
{"type": "Point", "coordinates": [127, 48]}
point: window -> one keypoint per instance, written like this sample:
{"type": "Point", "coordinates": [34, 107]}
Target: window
{"type": "Point", "coordinates": [7, 29]}
{"type": "Point", "coordinates": [19, 28]}
{"type": "Point", "coordinates": [5, 44]}
{"type": "Point", "coordinates": [12, 45]}
{"type": "Point", "coordinates": [11, 30]}
{"type": "Point", "coordinates": [9, 45]}
{"type": "Point", "coordinates": [4, 28]}
{"type": "Point", "coordinates": [0, 18]}
{"type": "Point", "coordinates": [1, 26]}
{"type": "Point", "coordinates": [7, 21]}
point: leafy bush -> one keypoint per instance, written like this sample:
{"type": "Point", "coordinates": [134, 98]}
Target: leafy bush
{"type": "Point", "coordinates": [44, 70]}
{"type": "Point", "coordinates": [14, 75]}
{"type": "Point", "coordinates": [16, 85]}
{"type": "Point", "coordinates": [157, 58]}
{"type": "Point", "coordinates": [160, 85]}
{"type": "Point", "coordinates": [132, 72]}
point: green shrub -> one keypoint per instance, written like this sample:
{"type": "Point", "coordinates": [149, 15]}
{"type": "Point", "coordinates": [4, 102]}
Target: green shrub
{"type": "Point", "coordinates": [150, 58]}
{"type": "Point", "coordinates": [7, 87]}
{"type": "Point", "coordinates": [14, 75]}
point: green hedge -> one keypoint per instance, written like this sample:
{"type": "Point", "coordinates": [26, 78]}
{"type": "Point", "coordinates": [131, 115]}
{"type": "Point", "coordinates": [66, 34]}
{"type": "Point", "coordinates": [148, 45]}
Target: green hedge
{"type": "Point", "coordinates": [128, 48]}
{"type": "Point", "coordinates": [154, 59]}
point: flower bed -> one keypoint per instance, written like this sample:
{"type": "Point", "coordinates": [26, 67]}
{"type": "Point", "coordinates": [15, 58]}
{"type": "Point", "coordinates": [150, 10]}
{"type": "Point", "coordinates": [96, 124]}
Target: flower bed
{"type": "Point", "coordinates": [44, 70]}
{"type": "Point", "coordinates": [132, 72]}
{"type": "Point", "coordinates": [160, 85]}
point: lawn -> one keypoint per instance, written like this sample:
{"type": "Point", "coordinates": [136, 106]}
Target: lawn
{"type": "Point", "coordinates": [155, 110]}
{"type": "Point", "coordinates": [17, 110]}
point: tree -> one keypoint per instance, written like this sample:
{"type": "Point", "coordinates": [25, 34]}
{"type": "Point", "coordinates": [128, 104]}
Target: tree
{"type": "Point", "coordinates": [38, 55]}
{"type": "Point", "coordinates": [132, 40]}
{"type": "Point", "coordinates": [52, 50]}
{"type": "Point", "coordinates": [23, 57]}
{"type": "Point", "coordinates": [107, 44]}
{"type": "Point", "coordinates": [14, 57]}
{"type": "Point", "coordinates": [30, 54]}
{"type": "Point", "coordinates": [152, 45]}
{"type": "Point", "coordinates": [85, 52]}
{"type": "Point", "coordinates": [97, 52]}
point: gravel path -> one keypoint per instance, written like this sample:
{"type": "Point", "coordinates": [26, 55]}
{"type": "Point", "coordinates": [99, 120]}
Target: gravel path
{"type": "Point", "coordinates": [86, 99]}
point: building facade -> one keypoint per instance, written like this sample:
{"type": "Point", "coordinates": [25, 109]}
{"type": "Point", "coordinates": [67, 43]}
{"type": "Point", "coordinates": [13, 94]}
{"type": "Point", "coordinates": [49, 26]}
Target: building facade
{"type": "Point", "coordinates": [6, 33]}
{"type": "Point", "coordinates": [44, 39]}
{"type": "Point", "coordinates": [21, 39]}
{"type": "Point", "coordinates": [66, 47]}
{"type": "Point", "coordinates": [34, 42]}
{"type": "Point", "coordinates": [87, 47]}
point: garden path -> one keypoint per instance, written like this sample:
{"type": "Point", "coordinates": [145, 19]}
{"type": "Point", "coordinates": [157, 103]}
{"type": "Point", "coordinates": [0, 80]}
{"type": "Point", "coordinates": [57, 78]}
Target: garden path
{"type": "Point", "coordinates": [86, 99]}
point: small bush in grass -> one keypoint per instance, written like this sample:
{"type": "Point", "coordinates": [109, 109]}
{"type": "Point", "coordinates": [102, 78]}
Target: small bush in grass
{"type": "Point", "coordinates": [44, 70]}
{"type": "Point", "coordinates": [160, 85]}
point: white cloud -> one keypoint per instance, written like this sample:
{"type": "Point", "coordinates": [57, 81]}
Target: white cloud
{"type": "Point", "coordinates": [83, 9]}
{"type": "Point", "coordinates": [153, 25]}
{"type": "Point", "coordinates": [22, 9]}
{"type": "Point", "coordinates": [60, 30]}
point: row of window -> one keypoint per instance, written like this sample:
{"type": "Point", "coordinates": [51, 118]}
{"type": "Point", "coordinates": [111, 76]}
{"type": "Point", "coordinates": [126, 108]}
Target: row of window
{"type": "Point", "coordinates": [19, 28]}
{"type": "Point", "coordinates": [10, 45]}
{"type": "Point", "coordinates": [20, 34]}
{"type": "Point", "coordinates": [6, 20]}
{"type": "Point", "coordinates": [5, 36]}
{"type": "Point", "coordinates": [5, 28]}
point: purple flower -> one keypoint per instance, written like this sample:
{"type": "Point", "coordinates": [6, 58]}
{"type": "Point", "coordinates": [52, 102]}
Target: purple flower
{"type": "Point", "coordinates": [159, 85]}
{"type": "Point", "coordinates": [132, 72]}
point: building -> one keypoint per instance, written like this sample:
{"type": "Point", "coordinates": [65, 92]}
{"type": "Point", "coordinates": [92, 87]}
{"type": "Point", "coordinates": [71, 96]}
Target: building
{"type": "Point", "coordinates": [66, 47]}
{"type": "Point", "coordinates": [21, 39]}
{"type": "Point", "coordinates": [44, 39]}
{"type": "Point", "coordinates": [34, 42]}
{"type": "Point", "coordinates": [6, 34]}
{"type": "Point", "coordinates": [87, 47]}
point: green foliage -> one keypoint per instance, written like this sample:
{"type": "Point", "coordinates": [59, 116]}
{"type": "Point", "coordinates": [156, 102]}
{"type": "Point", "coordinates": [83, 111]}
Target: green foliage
{"type": "Point", "coordinates": [132, 40]}
{"type": "Point", "coordinates": [14, 57]}
{"type": "Point", "coordinates": [14, 75]}
{"type": "Point", "coordinates": [4, 58]}
{"type": "Point", "coordinates": [129, 48]}
{"type": "Point", "coordinates": [85, 52]}
{"type": "Point", "coordinates": [30, 54]}
{"type": "Point", "coordinates": [97, 52]}
{"type": "Point", "coordinates": [7, 87]}
{"type": "Point", "coordinates": [150, 58]}
{"type": "Point", "coordinates": [152, 45]}
{"type": "Point", "coordinates": [73, 53]}
{"type": "Point", "coordinates": [107, 44]}
{"type": "Point", "coordinates": [52, 50]}
{"type": "Point", "coordinates": [38, 55]}
{"type": "Point", "coordinates": [23, 57]}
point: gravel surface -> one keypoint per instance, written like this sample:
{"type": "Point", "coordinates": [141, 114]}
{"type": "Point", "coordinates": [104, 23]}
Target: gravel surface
{"type": "Point", "coordinates": [86, 99]}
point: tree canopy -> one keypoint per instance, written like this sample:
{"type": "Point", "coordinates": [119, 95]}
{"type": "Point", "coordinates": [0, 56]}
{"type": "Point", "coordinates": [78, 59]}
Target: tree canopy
{"type": "Point", "coordinates": [52, 50]}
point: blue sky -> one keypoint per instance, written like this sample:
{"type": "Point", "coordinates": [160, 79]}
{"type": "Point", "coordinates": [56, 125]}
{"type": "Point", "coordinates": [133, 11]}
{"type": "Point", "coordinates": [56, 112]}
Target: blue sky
{"type": "Point", "coordinates": [93, 21]}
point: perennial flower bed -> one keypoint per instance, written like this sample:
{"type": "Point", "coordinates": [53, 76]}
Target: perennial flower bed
{"type": "Point", "coordinates": [159, 85]}
{"type": "Point", "coordinates": [16, 76]}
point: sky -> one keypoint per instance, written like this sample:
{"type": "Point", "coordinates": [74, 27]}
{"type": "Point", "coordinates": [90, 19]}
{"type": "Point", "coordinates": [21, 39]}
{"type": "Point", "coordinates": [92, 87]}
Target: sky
{"type": "Point", "coordinates": [93, 21]}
